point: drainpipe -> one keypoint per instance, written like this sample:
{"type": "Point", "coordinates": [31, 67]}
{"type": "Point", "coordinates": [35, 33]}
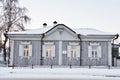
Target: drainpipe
{"type": "Point", "coordinates": [80, 48]}
{"type": "Point", "coordinates": [41, 49]}
{"type": "Point", "coordinates": [9, 53]}
{"type": "Point", "coordinates": [116, 37]}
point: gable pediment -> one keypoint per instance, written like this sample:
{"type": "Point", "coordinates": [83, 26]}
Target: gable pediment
{"type": "Point", "coordinates": [60, 32]}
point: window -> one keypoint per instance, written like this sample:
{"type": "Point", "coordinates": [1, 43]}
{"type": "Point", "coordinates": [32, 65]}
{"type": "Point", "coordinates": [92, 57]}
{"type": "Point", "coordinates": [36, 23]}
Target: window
{"type": "Point", "coordinates": [94, 51]}
{"type": "Point", "coordinates": [48, 51]}
{"type": "Point", "coordinates": [25, 50]}
{"type": "Point", "coordinates": [73, 51]}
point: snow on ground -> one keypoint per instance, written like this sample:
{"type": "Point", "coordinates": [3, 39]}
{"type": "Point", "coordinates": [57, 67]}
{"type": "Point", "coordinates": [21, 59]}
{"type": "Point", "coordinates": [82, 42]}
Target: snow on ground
{"type": "Point", "coordinates": [59, 74]}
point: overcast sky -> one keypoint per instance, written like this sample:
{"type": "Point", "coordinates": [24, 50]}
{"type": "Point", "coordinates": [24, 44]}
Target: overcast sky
{"type": "Point", "coordinates": [99, 14]}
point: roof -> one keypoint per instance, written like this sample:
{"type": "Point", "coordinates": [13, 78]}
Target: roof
{"type": "Point", "coordinates": [82, 31]}
{"type": "Point", "coordinates": [90, 31]}
{"type": "Point", "coordinates": [61, 25]}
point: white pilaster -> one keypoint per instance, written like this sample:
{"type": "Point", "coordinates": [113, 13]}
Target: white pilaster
{"type": "Point", "coordinates": [11, 51]}
{"type": "Point", "coordinates": [60, 52]}
{"type": "Point", "coordinates": [109, 54]}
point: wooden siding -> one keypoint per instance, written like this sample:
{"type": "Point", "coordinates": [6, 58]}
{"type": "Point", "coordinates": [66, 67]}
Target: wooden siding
{"type": "Point", "coordinates": [36, 53]}
{"type": "Point", "coordinates": [34, 59]}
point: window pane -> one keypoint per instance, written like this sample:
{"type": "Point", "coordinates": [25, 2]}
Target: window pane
{"type": "Point", "coordinates": [94, 51]}
{"type": "Point", "coordinates": [26, 50]}
{"type": "Point", "coordinates": [73, 51]}
{"type": "Point", "coordinates": [48, 51]}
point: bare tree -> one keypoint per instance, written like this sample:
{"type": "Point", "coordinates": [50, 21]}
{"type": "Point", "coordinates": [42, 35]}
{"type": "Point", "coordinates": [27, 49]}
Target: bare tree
{"type": "Point", "coordinates": [12, 17]}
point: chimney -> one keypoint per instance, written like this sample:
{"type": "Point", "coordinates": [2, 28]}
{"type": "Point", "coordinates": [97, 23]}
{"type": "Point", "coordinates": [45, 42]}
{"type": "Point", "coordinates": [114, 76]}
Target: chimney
{"type": "Point", "coordinates": [44, 25]}
{"type": "Point", "coordinates": [54, 23]}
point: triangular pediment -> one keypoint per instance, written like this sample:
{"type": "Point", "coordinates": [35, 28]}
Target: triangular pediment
{"type": "Point", "coordinates": [60, 32]}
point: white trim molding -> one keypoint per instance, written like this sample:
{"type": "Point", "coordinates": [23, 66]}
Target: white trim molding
{"type": "Point", "coordinates": [49, 43]}
{"type": "Point", "coordinates": [94, 43]}
{"type": "Point", "coordinates": [60, 52]}
{"type": "Point", "coordinates": [73, 43]}
{"type": "Point", "coordinates": [11, 52]}
{"type": "Point", "coordinates": [25, 42]}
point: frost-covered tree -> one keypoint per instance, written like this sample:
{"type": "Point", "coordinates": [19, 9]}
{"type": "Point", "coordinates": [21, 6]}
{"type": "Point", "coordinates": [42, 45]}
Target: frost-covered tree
{"type": "Point", "coordinates": [12, 17]}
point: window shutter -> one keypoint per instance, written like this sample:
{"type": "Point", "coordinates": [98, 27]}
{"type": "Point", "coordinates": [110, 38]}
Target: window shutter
{"type": "Point", "coordinates": [68, 51]}
{"type": "Point", "coordinates": [20, 50]}
{"type": "Point", "coordinates": [89, 51]}
{"type": "Point", "coordinates": [44, 51]}
{"type": "Point", "coordinates": [77, 51]}
{"type": "Point", "coordinates": [99, 51]}
{"type": "Point", "coordinates": [30, 50]}
{"type": "Point", "coordinates": [53, 51]}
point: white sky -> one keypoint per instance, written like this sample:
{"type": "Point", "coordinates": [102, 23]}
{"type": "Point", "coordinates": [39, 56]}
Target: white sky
{"type": "Point", "coordinates": [99, 14]}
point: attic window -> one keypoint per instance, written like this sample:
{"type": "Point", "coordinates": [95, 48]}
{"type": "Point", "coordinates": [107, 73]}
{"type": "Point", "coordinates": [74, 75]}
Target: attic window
{"type": "Point", "coordinates": [60, 30]}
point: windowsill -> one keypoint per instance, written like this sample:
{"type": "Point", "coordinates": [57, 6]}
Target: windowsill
{"type": "Point", "coordinates": [25, 56]}
{"type": "Point", "coordinates": [74, 58]}
{"type": "Point", "coordinates": [95, 58]}
{"type": "Point", "coordinates": [48, 57]}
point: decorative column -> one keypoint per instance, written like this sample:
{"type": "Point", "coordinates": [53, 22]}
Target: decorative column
{"type": "Point", "coordinates": [11, 52]}
{"type": "Point", "coordinates": [60, 52]}
{"type": "Point", "coordinates": [109, 54]}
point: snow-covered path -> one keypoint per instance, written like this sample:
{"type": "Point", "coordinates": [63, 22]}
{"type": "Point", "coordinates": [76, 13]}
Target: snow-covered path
{"type": "Point", "coordinates": [59, 74]}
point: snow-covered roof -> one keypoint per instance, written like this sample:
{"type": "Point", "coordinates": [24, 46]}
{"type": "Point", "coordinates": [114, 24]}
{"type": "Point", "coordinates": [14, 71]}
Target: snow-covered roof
{"type": "Point", "coordinates": [82, 31]}
{"type": "Point", "coordinates": [32, 31]}
{"type": "Point", "coordinates": [90, 31]}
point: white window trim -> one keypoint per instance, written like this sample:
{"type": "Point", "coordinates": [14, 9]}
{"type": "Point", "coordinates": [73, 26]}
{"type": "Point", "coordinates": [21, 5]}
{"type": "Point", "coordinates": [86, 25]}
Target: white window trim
{"type": "Point", "coordinates": [21, 50]}
{"type": "Point", "coordinates": [77, 51]}
{"type": "Point", "coordinates": [52, 51]}
{"type": "Point", "coordinates": [73, 43]}
{"type": "Point", "coordinates": [48, 43]}
{"type": "Point", "coordinates": [94, 44]}
{"type": "Point", "coordinates": [25, 42]}
{"type": "Point", "coordinates": [99, 51]}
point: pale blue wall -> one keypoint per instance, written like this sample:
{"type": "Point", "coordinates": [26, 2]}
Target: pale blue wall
{"type": "Point", "coordinates": [35, 59]}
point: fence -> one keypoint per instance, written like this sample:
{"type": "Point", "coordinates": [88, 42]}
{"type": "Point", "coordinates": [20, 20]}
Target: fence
{"type": "Point", "coordinates": [69, 66]}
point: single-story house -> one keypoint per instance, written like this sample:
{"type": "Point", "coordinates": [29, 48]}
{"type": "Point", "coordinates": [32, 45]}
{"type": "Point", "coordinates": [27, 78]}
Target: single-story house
{"type": "Point", "coordinates": [60, 45]}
